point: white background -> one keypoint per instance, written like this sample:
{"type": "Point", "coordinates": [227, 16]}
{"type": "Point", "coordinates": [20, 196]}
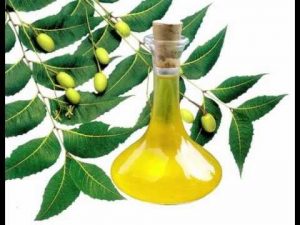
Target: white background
{"type": "Point", "coordinates": [260, 39]}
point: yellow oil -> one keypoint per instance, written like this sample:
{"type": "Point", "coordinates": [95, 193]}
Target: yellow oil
{"type": "Point", "coordinates": [165, 165]}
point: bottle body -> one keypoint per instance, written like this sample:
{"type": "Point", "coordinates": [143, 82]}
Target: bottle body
{"type": "Point", "coordinates": [165, 165]}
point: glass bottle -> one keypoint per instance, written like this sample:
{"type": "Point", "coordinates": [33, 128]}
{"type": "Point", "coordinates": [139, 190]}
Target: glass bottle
{"type": "Point", "coordinates": [165, 165]}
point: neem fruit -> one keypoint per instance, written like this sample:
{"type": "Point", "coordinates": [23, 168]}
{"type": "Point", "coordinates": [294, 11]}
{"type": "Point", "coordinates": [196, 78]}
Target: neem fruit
{"type": "Point", "coordinates": [122, 29]}
{"type": "Point", "coordinates": [65, 80]}
{"type": "Point", "coordinates": [102, 56]}
{"type": "Point", "coordinates": [45, 42]}
{"type": "Point", "coordinates": [187, 116]}
{"type": "Point", "coordinates": [208, 123]}
{"type": "Point", "coordinates": [73, 96]}
{"type": "Point", "coordinates": [100, 82]}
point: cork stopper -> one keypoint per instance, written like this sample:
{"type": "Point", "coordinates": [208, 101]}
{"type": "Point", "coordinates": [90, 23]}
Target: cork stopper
{"type": "Point", "coordinates": [165, 35]}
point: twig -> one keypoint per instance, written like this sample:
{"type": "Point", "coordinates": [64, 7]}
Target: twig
{"type": "Point", "coordinates": [43, 98]}
{"type": "Point", "coordinates": [37, 86]}
{"type": "Point", "coordinates": [92, 40]}
{"type": "Point", "coordinates": [206, 93]}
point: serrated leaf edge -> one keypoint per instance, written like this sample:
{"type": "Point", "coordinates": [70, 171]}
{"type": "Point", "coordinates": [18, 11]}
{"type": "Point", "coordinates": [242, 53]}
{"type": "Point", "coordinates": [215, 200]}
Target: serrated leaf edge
{"type": "Point", "coordinates": [31, 154]}
{"type": "Point", "coordinates": [214, 46]}
{"type": "Point", "coordinates": [238, 85]}
{"type": "Point", "coordinates": [142, 12]}
{"type": "Point", "coordinates": [196, 17]}
{"type": "Point", "coordinates": [59, 189]}
{"type": "Point", "coordinates": [91, 177]}
{"type": "Point", "coordinates": [258, 106]}
{"type": "Point", "coordinates": [24, 109]}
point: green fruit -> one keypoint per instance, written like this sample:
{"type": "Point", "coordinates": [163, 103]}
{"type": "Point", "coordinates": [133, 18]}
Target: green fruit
{"type": "Point", "coordinates": [102, 56]}
{"type": "Point", "coordinates": [208, 123]}
{"type": "Point", "coordinates": [187, 116]}
{"type": "Point", "coordinates": [73, 96]}
{"type": "Point", "coordinates": [100, 82]}
{"type": "Point", "coordinates": [45, 42]}
{"type": "Point", "coordinates": [65, 80]}
{"type": "Point", "coordinates": [122, 29]}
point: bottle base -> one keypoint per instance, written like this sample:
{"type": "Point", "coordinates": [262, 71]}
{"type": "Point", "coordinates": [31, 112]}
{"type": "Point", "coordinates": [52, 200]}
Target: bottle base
{"type": "Point", "coordinates": [167, 194]}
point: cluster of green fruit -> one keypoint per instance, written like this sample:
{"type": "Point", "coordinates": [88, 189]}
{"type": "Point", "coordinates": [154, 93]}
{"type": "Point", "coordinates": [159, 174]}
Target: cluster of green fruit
{"type": "Point", "coordinates": [208, 121]}
{"type": "Point", "coordinates": [100, 79]}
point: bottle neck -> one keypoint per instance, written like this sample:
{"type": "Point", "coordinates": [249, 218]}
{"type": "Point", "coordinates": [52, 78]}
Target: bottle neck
{"type": "Point", "coordinates": [166, 110]}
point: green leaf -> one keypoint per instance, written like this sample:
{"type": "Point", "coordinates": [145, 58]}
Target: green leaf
{"type": "Point", "coordinates": [10, 38]}
{"type": "Point", "coordinates": [22, 116]}
{"type": "Point", "coordinates": [128, 73]}
{"type": "Point", "coordinates": [182, 88]}
{"type": "Point", "coordinates": [257, 107]}
{"type": "Point", "coordinates": [99, 138]}
{"type": "Point", "coordinates": [92, 180]}
{"type": "Point", "coordinates": [105, 37]}
{"type": "Point", "coordinates": [144, 117]}
{"type": "Point", "coordinates": [108, 1]}
{"type": "Point", "coordinates": [59, 194]}
{"type": "Point", "coordinates": [28, 5]}
{"type": "Point", "coordinates": [32, 157]}
{"type": "Point", "coordinates": [234, 87]}
{"type": "Point", "coordinates": [198, 134]}
{"type": "Point", "coordinates": [79, 67]}
{"type": "Point", "coordinates": [240, 137]}
{"type": "Point", "coordinates": [78, 8]}
{"type": "Point", "coordinates": [204, 57]}
{"type": "Point", "coordinates": [90, 107]}
{"type": "Point", "coordinates": [63, 28]}
{"type": "Point", "coordinates": [191, 24]}
{"type": "Point", "coordinates": [140, 18]}
{"type": "Point", "coordinates": [16, 77]}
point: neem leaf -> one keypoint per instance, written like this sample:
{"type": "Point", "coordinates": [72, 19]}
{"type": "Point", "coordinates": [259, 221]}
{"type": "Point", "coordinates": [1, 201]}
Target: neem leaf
{"type": "Point", "coordinates": [10, 38]}
{"type": "Point", "coordinates": [108, 1]}
{"type": "Point", "coordinates": [59, 194]}
{"type": "Point", "coordinates": [191, 24]}
{"type": "Point", "coordinates": [90, 107]}
{"type": "Point", "coordinates": [257, 107]}
{"type": "Point", "coordinates": [92, 180]}
{"type": "Point", "coordinates": [16, 77]}
{"type": "Point", "coordinates": [234, 87]}
{"type": "Point", "coordinates": [32, 157]}
{"type": "Point", "coordinates": [98, 136]}
{"type": "Point", "coordinates": [22, 116]}
{"type": "Point", "coordinates": [79, 67]}
{"type": "Point", "coordinates": [78, 8]}
{"type": "Point", "coordinates": [128, 73]}
{"type": "Point", "coordinates": [144, 117]}
{"type": "Point", "coordinates": [182, 88]}
{"type": "Point", "coordinates": [28, 5]}
{"type": "Point", "coordinates": [63, 28]}
{"type": "Point", "coordinates": [204, 57]}
{"type": "Point", "coordinates": [105, 37]}
{"type": "Point", "coordinates": [198, 134]}
{"type": "Point", "coordinates": [240, 138]}
{"type": "Point", "coordinates": [140, 18]}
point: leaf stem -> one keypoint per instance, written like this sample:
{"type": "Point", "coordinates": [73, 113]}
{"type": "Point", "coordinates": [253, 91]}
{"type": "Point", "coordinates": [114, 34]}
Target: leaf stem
{"type": "Point", "coordinates": [92, 40]}
{"type": "Point", "coordinates": [43, 98]}
{"type": "Point", "coordinates": [116, 18]}
{"type": "Point", "coordinates": [103, 8]}
{"type": "Point", "coordinates": [207, 94]}
{"type": "Point", "coordinates": [212, 96]}
{"type": "Point", "coordinates": [190, 100]}
{"type": "Point", "coordinates": [104, 18]}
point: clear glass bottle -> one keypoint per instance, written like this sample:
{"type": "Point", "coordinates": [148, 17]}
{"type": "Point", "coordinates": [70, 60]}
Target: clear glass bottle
{"type": "Point", "coordinates": [165, 165]}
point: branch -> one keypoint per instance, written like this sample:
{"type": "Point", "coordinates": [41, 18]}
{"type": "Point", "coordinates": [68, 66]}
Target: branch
{"type": "Point", "coordinates": [28, 62]}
